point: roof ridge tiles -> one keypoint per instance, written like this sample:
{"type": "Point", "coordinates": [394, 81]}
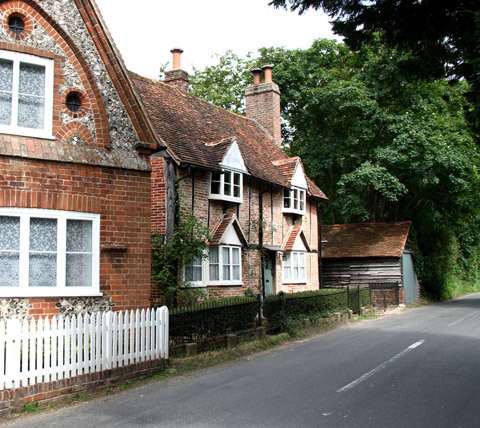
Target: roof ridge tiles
{"type": "Point", "coordinates": [286, 161]}
{"type": "Point", "coordinates": [159, 82]}
{"type": "Point", "coordinates": [221, 141]}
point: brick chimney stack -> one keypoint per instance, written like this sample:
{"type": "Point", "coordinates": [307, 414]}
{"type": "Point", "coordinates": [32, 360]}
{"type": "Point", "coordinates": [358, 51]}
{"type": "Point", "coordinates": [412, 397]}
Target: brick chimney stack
{"type": "Point", "coordinates": [262, 101]}
{"type": "Point", "coordinates": [177, 77]}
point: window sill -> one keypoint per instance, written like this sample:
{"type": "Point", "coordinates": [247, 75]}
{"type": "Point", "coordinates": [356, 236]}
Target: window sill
{"type": "Point", "coordinates": [5, 292]}
{"type": "Point", "coordinates": [193, 285]}
{"type": "Point", "coordinates": [225, 198]}
{"type": "Point", "coordinates": [42, 135]}
{"type": "Point", "coordinates": [301, 282]}
{"type": "Point", "coordinates": [298, 212]}
{"type": "Point", "coordinates": [225, 284]}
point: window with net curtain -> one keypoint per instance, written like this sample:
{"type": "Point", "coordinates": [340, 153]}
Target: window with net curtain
{"type": "Point", "coordinates": [194, 271]}
{"type": "Point", "coordinates": [25, 94]}
{"type": "Point", "coordinates": [224, 267]}
{"type": "Point", "coordinates": [224, 264]}
{"type": "Point", "coordinates": [294, 267]}
{"type": "Point", "coordinates": [48, 253]}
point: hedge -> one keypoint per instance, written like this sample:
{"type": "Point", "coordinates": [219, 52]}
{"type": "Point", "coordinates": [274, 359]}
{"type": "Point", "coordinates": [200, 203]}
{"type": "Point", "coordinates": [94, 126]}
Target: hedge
{"type": "Point", "coordinates": [221, 316]}
{"type": "Point", "coordinates": [280, 308]}
{"type": "Point", "coordinates": [213, 318]}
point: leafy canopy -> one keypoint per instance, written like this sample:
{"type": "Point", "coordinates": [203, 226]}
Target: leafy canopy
{"type": "Point", "coordinates": [223, 84]}
{"type": "Point", "coordinates": [442, 36]}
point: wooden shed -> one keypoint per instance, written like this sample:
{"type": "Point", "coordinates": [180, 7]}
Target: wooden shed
{"type": "Point", "coordinates": [370, 254]}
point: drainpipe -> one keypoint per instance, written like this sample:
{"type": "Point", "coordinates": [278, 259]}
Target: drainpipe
{"type": "Point", "coordinates": [320, 206]}
{"type": "Point", "coordinates": [260, 243]}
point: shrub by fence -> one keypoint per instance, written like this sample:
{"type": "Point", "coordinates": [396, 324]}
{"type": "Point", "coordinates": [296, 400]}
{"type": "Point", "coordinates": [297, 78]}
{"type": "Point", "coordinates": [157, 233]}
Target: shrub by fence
{"type": "Point", "coordinates": [213, 318]}
{"type": "Point", "coordinates": [278, 309]}
{"type": "Point", "coordinates": [358, 297]}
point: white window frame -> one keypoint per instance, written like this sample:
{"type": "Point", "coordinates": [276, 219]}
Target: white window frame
{"type": "Point", "coordinates": [293, 199]}
{"type": "Point", "coordinates": [226, 268]}
{"type": "Point", "coordinates": [18, 58]}
{"type": "Point", "coordinates": [223, 268]}
{"type": "Point", "coordinates": [295, 263]}
{"type": "Point", "coordinates": [223, 195]}
{"type": "Point", "coordinates": [60, 290]}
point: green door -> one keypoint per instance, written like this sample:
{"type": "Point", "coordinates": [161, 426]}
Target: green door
{"type": "Point", "coordinates": [268, 275]}
{"type": "Point", "coordinates": [410, 282]}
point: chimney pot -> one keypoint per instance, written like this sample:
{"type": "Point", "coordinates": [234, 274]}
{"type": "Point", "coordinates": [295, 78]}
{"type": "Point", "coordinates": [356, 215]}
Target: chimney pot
{"type": "Point", "coordinates": [177, 77]}
{"type": "Point", "coordinates": [262, 103]}
{"type": "Point", "coordinates": [268, 73]}
{"type": "Point", "coordinates": [177, 52]}
{"type": "Point", "coordinates": [256, 75]}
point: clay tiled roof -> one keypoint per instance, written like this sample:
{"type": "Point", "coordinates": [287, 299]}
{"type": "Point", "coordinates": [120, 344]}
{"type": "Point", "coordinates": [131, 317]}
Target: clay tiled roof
{"type": "Point", "coordinates": [190, 127]}
{"type": "Point", "coordinates": [295, 232]}
{"type": "Point", "coordinates": [287, 168]}
{"type": "Point", "coordinates": [223, 226]}
{"type": "Point", "coordinates": [365, 240]}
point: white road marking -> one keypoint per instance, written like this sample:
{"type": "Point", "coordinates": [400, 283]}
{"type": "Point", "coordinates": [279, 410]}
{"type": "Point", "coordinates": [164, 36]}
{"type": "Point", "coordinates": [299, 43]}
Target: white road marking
{"type": "Point", "coordinates": [461, 319]}
{"type": "Point", "coordinates": [380, 367]}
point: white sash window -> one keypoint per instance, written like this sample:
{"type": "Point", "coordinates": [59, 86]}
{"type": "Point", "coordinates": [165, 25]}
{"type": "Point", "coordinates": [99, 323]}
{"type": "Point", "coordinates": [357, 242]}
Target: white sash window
{"type": "Point", "coordinates": [48, 253]}
{"type": "Point", "coordinates": [26, 95]}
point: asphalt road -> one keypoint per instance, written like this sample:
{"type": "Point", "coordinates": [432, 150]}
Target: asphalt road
{"type": "Point", "coordinates": [420, 368]}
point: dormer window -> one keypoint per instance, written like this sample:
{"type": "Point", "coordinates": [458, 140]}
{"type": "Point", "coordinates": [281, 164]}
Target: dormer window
{"type": "Point", "coordinates": [226, 186]}
{"type": "Point", "coordinates": [294, 200]}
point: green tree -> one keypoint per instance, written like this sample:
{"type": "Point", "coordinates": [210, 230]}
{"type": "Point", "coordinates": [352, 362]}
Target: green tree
{"type": "Point", "coordinates": [385, 147]}
{"type": "Point", "coordinates": [224, 84]}
{"type": "Point", "coordinates": [442, 36]}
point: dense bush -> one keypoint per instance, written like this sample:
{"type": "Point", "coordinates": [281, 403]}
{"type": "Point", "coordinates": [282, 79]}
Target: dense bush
{"type": "Point", "coordinates": [280, 309]}
{"type": "Point", "coordinates": [213, 318]}
{"type": "Point", "coordinates": [358, 297]}
{"type": "Point", "coordinates": [217, 317]}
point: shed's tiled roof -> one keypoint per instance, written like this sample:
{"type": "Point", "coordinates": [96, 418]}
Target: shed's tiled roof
{"type": "Point", "coordinates": [365, 240]}
{"type": "Point", "coordinates": [191, 127]}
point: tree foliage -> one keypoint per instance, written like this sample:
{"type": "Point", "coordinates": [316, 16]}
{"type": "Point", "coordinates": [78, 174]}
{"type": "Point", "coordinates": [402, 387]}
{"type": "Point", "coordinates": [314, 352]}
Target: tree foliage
{"type": "Point", "coordinates": [385, 146]}
{"type": "Point", "coordinates": [170, 256]}
{"type": "Point", "coordinates": [223, 84]}
{"type": "Point", "coordinates": [442, 36]}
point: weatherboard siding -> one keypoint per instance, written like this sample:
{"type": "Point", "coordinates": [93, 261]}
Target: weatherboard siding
{"type": "Point", "coordinates": [343, 272]}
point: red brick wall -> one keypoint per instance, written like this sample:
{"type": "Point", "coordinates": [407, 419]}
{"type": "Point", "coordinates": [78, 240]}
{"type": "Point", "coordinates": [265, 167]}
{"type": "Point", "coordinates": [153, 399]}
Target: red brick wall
{"type": "Point", "coordinates": [263, 104]}
{"type": "Point", "coordinates": [121, 197]}
{"type": "Point", "coordinates": [14, 400]}
{"type": "Point", "coordinates": [385, 297]}
{"type": "Point", "coordinates": [158, 190]}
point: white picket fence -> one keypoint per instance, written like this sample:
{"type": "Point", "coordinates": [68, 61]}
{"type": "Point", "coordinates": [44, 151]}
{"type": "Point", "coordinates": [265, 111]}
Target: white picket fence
{"type": "Point", "coordinates": [61, 347]}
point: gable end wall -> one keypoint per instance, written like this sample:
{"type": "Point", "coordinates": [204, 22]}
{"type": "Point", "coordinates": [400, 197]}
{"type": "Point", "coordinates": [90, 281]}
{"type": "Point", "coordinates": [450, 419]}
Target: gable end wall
{"type": "Point", "coordinates": [91, 165]}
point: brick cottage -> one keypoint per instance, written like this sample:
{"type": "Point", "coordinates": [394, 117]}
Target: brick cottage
{"type": "Point", "coordinates": [258, 204]}
{"type": "Point", "coordinates": [74, 166]}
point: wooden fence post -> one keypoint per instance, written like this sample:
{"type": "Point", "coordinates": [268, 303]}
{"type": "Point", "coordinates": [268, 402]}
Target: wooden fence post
{"type": "Point", "coordinates": [13, 352]}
